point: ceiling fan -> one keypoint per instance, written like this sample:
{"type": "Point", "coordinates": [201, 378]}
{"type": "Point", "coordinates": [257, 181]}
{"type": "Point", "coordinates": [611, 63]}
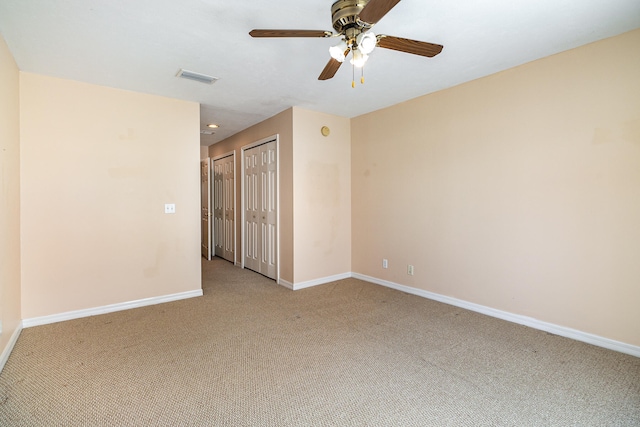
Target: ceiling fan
{"type": "Point", "coordinates": [352, 21]}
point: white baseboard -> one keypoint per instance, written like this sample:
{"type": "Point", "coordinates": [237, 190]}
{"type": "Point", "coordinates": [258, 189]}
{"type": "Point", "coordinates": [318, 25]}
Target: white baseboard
{"type": "Point", "coordinates": [511, 317]}
{"type": "Point", "coordinates": [4, 356]}
{"type": "Point", "coordinates": [286, 284]}
{"type": "Point", "coordinates": [69, 315]}
{"type": "Point", "coordinates": [314, 282]}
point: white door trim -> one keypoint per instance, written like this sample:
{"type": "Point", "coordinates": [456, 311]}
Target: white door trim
{"type": "Point", "coordinates": [222, 156]}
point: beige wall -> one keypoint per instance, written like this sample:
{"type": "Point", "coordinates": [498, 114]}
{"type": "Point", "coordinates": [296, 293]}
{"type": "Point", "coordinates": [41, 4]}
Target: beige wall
{"type": "Point", "coordinates": [9, 196]}
{"type": "Point", "coordinates": [280, 124]}
{"type": "Point", "coordinates": [518, 191]}
{"type": "Point", "coordinates": [321, 195]}
{"type": "Point", "coordinates": [97, 167]}
{"type": "Point", "coordinates": [315, 191]}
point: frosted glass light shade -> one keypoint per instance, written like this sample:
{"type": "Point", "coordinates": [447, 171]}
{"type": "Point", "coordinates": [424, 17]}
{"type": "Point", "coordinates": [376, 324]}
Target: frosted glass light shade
{"type": "Point", "coordinates": [366, 42]}
{"type": "Point", "coordinates": [337, 51]}
{"type": "Point", "coordinates": [359, 58]}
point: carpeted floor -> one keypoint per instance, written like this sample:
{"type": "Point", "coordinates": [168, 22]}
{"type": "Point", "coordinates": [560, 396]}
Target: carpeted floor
{"type": "Point", "coordinates": [349, 353]}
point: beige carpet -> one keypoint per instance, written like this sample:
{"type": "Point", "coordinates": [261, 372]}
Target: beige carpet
{"type": "Point", "coordinates": [349, 353]}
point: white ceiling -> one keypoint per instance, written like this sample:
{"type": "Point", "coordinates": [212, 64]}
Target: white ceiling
{"type": "Point", "coordinates": [140, 45]}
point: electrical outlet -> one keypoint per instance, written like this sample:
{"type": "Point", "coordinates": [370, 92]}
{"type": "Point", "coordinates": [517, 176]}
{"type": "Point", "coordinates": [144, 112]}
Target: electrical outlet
{"type": "Point", "coordinates": [169, 208]}
{"type": "Point", "coordinates": [410, 270]}
{"type": "Point", "coordinates": [385, 263]}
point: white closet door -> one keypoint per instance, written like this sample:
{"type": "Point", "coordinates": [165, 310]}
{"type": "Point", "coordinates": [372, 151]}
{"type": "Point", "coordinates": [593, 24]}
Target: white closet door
{"type": "Point", "coordinates": [251, 214]}
{"type": "Point", "coordinates": [229, 208]}
{"type": "Point", "coordinates": [268, 205]}
{"type": "Point", "coordinates": [260, 204]}
{"type": "Point", "coordinates": [218, 207]}
{"type": "Point", "coordinates": [205, 203]}
{"type": "Point", "coordinates": [224, 212]}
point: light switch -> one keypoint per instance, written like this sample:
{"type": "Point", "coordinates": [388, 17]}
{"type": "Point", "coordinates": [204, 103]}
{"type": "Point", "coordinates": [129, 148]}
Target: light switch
{"type": "Point", "coordinates": [169, 208]}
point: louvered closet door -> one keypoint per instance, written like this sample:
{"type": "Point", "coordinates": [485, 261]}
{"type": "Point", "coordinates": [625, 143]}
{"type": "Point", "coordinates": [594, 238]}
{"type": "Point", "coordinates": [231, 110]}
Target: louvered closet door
{"type": "Point", "coordinates": [260, 204]}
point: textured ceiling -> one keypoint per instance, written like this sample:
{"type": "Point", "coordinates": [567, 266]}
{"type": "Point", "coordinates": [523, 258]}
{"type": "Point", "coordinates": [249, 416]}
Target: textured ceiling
{"type": "Point", "coordinates": [140, 45]}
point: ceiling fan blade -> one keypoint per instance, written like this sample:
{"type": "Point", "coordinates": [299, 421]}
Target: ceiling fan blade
{"type": "Point", "coordinates": [376, 9]}
{"type": "Point", "coordinates": [409, 46]}
{"type": "Point", "coordinates": [330, 69]}
{"type": "Point", "coordinates": [290, 33]}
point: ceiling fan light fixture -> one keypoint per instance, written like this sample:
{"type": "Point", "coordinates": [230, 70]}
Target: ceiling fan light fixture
{"type": "Point", "coordinates": [337, 51]}
{"type": "Point", "coordinates": [359, 58]}
{"type": "Point", "coordinates": [366, 42]}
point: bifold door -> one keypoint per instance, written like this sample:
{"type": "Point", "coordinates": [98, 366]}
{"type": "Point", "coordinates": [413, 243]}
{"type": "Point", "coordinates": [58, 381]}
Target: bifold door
{"type": "Point", "coordinates": [260, 204]}
{"type": "Point", "coordinates": [205, 204]}
{"type": "Point", "coordinates": [223, 207]}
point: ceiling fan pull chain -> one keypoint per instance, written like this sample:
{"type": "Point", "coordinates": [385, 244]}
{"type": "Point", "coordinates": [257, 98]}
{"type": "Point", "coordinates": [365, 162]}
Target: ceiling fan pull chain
{"type": "Point", "coordinates": [362, 76]}
{"type": "Point", "coordinates": [353, 78]}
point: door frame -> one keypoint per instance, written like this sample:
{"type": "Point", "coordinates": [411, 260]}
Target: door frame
{"type": "Point", "coordinates": [262, 141]}
{"type": "Point", "coordinates": [235, 190]}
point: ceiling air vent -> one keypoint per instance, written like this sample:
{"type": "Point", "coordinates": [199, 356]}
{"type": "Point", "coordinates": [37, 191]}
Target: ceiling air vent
{"type": "Point", "coordinates": [202, 78]}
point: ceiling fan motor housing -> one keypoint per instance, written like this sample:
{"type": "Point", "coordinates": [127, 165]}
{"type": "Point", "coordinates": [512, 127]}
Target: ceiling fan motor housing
{"type": "Point", "coordinates": [344, 15]}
